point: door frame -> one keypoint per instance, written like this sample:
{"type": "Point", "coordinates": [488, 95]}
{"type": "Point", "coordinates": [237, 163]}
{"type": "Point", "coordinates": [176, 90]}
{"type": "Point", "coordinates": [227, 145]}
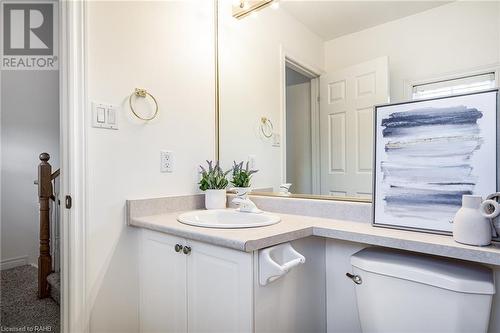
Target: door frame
{"type": "Point", "coordinates": [287, 59]}
{"type": "Point", "coordinates": [72, 89]}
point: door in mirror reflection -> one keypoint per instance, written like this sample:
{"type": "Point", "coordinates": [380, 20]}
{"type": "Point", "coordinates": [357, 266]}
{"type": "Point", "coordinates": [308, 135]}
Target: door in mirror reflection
{"type": "Point", "coordinates": [346, 117]}
{"type": "Point", "coordinates": [330, 152]}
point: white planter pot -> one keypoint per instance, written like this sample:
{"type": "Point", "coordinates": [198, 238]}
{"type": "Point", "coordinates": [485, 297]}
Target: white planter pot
{"type": "Point", "coordinates": [215, 199]}
{"type": "Point", "coordinates": [242, 192]}
{"type": "Point", "coordinates": [469, 225]}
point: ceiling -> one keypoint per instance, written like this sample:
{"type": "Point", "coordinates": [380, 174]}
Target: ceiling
{"type": "Point", "coordinates": [332, 19]}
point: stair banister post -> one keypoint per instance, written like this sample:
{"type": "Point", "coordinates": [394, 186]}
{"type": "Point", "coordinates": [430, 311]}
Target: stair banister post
{"type": "Point", "coordinates": [44, 194]}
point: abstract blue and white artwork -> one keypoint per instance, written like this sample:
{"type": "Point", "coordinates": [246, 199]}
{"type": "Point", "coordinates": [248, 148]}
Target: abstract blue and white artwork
{"type": "Point", "coordinates": [428, 154]}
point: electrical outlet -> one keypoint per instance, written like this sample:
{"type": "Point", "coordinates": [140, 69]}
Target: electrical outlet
{"type": "Point", "coordinates": [166, 161]}
{"type": "Point", "coordinates": [252, 163]}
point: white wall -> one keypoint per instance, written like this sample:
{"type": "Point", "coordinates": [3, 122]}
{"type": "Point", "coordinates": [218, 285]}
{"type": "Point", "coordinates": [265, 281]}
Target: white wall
{"type": "Point", "coordinates": [167, 48]}
{"type": "Point", "coordinates": [456, 37]}
{"type": "Point", "coordinates": [29, 126]}
{"type": "Point", "coordinates": [251, 87]}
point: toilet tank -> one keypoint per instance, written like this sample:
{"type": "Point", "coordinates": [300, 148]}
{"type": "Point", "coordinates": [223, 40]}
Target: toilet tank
{"type": "Point", "coordinates": [407, 292]}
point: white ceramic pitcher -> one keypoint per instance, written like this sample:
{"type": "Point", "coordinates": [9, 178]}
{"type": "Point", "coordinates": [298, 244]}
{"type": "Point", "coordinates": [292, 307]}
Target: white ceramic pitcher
{"type": "Point", "coordinates": [472, 223]}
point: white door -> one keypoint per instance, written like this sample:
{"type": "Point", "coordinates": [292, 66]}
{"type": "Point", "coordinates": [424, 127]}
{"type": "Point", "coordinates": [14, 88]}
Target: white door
{"type": "Point", "coordinates": [162, 284]}
{"type": "Point", "coordinates": [219, 289]}
{"type": "Point", "coordinates": [346, 126]}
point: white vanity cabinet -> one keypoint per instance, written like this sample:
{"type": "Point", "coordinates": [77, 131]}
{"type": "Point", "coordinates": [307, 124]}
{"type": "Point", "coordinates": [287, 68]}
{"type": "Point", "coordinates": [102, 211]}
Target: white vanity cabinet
{"type": "Point", "coordinates": [207, 289]}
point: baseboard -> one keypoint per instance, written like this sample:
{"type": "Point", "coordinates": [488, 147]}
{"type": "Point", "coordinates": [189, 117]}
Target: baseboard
{"type": "Point", "coordinates": [13, 262]}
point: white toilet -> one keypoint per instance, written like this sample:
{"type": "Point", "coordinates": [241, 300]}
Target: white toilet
{"type": "Point", "coordinates": [400, 292]}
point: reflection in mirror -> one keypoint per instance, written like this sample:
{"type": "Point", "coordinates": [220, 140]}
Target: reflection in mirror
{"type": "Point", "coordinates": [298, 142]}
{"type": "Point", "coordinates": [299, 80]}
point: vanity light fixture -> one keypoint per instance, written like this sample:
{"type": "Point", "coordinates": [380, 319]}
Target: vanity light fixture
{"type": "Point", "coordinates": [244, 8]}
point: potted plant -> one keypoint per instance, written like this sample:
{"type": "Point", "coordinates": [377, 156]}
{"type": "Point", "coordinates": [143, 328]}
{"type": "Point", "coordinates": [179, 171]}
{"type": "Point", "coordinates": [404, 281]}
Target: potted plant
{"type": "Point", "coordinates": [241, 179]}
{"type": "Point", "coordinates": [214, 182]}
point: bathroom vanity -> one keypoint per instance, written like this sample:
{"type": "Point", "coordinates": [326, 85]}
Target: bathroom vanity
{"type": "Point", "coordinates": [211, 288]}
{"type": "Point", "coordinates": [207, 279]}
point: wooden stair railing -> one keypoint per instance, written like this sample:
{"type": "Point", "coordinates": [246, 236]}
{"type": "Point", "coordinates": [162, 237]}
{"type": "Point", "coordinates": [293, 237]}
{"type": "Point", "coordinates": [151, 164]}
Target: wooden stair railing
{"type": "Point", "coordinates": [45, 194]}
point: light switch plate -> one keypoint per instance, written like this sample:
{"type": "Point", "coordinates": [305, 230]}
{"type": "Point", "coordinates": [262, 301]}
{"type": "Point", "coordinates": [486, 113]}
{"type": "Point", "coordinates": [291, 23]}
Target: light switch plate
{"type": "Point", "coordinates": [252, 162]}
{"type": "Point", "coordinates": [276, 140]}
{"type": "Point", "coordinates": [105, 115]}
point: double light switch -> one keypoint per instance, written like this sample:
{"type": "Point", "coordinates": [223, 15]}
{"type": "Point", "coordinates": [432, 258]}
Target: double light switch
{"type": "Point", "coordinates": [104, 116]}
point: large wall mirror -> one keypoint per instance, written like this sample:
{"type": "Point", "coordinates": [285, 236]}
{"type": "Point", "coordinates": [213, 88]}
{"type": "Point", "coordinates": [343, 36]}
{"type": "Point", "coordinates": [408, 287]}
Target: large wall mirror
{"type": "Point", "coordinates": [299, 80]}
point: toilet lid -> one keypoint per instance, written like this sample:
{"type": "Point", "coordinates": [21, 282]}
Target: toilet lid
{"type": "Point", "coordinates": [451, 274]}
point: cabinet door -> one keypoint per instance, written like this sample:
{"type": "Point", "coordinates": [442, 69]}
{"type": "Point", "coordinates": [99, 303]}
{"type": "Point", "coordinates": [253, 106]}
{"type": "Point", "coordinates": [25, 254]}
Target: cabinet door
{"type": "Point", "coordinates": [162, 284]}
{"type": "Point", "coordinates": [219, 289]}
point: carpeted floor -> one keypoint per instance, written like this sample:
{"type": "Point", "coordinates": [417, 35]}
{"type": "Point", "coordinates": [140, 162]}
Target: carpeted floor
{"type": "Point", "coordinates": [20, 307]}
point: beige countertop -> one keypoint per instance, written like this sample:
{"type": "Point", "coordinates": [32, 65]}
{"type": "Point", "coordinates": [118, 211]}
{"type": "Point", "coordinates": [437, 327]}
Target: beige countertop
{"type": "Point", "coordinates": [294, 227]}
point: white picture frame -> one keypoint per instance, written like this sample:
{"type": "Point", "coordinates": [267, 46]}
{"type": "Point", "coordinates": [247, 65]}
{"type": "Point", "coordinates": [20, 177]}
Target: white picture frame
{"type": "Point", "coordinates": [428, 153]}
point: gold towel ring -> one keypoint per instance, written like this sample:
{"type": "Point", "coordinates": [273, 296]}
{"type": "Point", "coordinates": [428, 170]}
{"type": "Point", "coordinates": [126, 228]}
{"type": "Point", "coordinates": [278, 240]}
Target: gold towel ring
{"type": "Point", "coordinates": [266, 123]}
{"type": "Point", "coordinates": [139, 92]}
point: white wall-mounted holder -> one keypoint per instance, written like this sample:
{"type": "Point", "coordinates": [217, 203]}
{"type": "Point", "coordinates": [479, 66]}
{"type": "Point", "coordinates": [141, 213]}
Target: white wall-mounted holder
{"type": "Point", "coordinates": [276, 261]}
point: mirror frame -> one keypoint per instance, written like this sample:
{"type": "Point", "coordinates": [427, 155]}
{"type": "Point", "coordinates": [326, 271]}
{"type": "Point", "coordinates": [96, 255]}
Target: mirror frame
{"type": "Point", "coordinates": [217, 125]}
{"type": "Point", "coordinates": [217, 81]}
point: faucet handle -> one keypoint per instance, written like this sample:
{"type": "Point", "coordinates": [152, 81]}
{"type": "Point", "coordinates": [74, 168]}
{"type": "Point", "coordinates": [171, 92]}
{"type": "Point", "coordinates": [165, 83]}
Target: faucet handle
{"type": "Point", "coordinates": [246, 205]}
{"type": "Point", "coordinates": [238, 201]}
{"type": "Point", "coordinates": [285, 188]}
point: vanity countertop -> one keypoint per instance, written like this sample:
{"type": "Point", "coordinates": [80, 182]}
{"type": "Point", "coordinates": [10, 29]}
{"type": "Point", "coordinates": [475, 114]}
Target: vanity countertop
{"type": "Point", "coordinates": [294, 227]}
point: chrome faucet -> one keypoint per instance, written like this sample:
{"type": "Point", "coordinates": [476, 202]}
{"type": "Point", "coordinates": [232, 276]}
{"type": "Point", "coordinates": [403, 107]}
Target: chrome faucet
{"type": "Point", "coordinates": [285, 188]}
{"type": "Point", "coordinates": [246, 205]}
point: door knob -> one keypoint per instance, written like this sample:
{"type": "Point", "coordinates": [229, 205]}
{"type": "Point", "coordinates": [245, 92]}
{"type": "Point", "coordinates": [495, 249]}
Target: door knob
{"type": "Point", "coordinates": [187, 250]}
{"type": "Point", "coordinates": [178, 247]}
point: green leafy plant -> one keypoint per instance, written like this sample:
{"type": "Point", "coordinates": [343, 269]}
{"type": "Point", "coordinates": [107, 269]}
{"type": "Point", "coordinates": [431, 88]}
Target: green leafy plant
{"type": "Point", "coordinates": [214, 178]}
{"type": "Point", "coordinates": [242, 177]}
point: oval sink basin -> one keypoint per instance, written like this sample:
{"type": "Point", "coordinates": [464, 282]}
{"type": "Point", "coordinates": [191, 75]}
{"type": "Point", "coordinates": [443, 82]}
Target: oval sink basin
{"type": "Point", "coordinates": [227, 218]}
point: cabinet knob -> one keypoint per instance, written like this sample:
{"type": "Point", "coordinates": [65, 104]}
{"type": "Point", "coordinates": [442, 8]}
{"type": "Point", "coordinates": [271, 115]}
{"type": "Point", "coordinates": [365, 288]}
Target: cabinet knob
{"type": "Point", "coordinates": [178, 247]}
{"type": "Point", "coordinates": [187, 250]}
